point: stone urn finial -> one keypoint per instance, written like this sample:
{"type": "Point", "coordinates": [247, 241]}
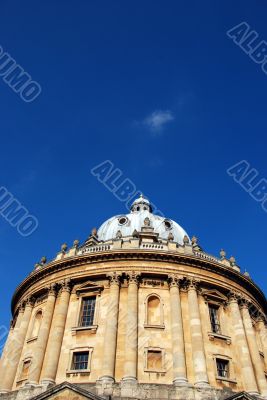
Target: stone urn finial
{"type": "Point", "coordinates": [222, 254]}
{"type": "Point", "coordinates": [94, 232]}
{"type": "Point", "coordinates": [186, 239]}
{"type": "Point", "coordinates": [194, 240]}
{"type": "Point", "coordinates": [232, 260]}
{"type": "Point", "coordinates": [76, 243]}
{"type": "Point", "coordinates": [64, 247]}
{"type": "Point", "coordinates": [43, 260]}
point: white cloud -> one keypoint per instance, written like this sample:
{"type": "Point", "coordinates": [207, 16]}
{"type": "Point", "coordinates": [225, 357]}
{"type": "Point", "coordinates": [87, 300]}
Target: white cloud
{"type": "Point", "coordinates": [157, 120]}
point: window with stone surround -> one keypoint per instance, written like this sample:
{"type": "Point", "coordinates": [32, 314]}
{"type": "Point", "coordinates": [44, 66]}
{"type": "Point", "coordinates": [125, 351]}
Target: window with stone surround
{"type": "Point", "coordinates": [224, 368]}
{"type": "Point", "coordinates": [154, 359]}
{"type": "Point", "coordinates": [80, 360]}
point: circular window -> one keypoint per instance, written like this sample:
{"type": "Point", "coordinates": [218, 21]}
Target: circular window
{"type": "Point", "coordinates": [123, 220]}
{"type": "Point", "coordinates": [168, 224]}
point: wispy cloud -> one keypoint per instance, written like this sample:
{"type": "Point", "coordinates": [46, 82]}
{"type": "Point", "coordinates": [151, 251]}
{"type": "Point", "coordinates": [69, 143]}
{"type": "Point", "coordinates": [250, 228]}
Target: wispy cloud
{"type": "Point", "coordinates": [157, 120]}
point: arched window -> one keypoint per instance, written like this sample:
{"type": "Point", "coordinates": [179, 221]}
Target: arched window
{"type": "Point", "coordinates": [36, 324]}
{"type": "Point", "coordinates": [154, 312]}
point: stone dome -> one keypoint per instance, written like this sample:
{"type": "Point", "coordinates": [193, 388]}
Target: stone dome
{"type": "Point", "coordinates": [141, 209]}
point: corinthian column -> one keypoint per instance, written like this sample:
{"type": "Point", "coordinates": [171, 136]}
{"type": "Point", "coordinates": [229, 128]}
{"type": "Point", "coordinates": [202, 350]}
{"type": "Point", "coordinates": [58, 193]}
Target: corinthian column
{"type": "Point", "coordinates": [198, 353]}
{"type": "Point", "coordinates": [108, 368]}
{"type": "Point", "coordinates": [15, 347]}
{"type": "Point", "coordinates": [56, 333]}
{"type": "Point", "coordinates": [40, 346]}
{"type": "Point", "coordinates": [249, 380]}
{"type": "Point", "coordinates": [131, 344]}
{"type": "Point", "coordinates": [254, 351]}
{"type": "Point", "coordinates": [263, 337]}
{"type": "Point", "coordinates": [178, 349]}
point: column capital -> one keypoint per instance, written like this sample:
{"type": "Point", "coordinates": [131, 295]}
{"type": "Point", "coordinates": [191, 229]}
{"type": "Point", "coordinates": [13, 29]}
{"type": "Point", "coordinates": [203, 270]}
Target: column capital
{"type": "Point", "coordinates": [51, 289]}
{"type": "Point", "coordinates": [29, 302]}
{"type": "Point", "coordinates": [233, 296]}
{"type": "Point", "coordinates": [65, 286]}
{"type": "Point", "coordinates": [175, 280]}
{"type": "Point", "coordinates": [114, 278]}
{"type": "Point", "coordinates": [133, 277]}
{"type": "Point", "coordinates": [192, 283]}
{"type": "Point", "coordinates": [244, 303]}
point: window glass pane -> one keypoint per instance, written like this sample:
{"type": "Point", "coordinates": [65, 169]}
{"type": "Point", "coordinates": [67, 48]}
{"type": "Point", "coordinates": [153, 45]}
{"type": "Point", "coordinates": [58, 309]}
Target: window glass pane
{"type": "Point", "coordinates": [214, 319]}
{"type": "Point", "coordinates": [87, 311]}
{"type": "Point", "coordinates": [222, 368]}
{"type": "Point", "coordinates": [80, 360]}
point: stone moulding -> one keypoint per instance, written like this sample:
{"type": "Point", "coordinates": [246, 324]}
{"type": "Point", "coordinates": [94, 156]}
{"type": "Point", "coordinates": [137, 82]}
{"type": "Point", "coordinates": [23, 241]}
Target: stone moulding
{"type": "Point", "coordinates": [137, 255]}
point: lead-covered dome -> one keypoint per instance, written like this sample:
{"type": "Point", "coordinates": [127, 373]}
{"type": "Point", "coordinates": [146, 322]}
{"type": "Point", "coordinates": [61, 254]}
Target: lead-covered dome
{"type": "Point", "coordinates": [128, 223]}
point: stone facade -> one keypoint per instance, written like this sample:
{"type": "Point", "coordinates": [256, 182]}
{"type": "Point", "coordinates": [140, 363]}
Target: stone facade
{"type": "Point", "coordinates": [162, 320]}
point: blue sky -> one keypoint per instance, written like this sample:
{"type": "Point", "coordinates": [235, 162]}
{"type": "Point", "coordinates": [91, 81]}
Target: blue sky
{"type": "Point", "coordinates": [157, 88]}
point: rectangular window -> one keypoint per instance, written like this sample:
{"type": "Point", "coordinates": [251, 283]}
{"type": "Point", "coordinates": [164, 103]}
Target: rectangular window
{"type": "Point", "coordinates": [80, 360]}
{"type": "Point", "coordinates": [222, 368]}
{"type": "Point", "coordinates": [154, 360]}
{"type": "Point", "coordinates": [87, 311]}
{"type": "Point", "coordinates": [214, 319]}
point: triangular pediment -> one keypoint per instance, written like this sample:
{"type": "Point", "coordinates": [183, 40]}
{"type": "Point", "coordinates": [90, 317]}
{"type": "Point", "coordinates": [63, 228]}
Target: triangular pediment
{"type": "Point", "coordinates": [89, 286]}
{"type": "Point", "coordinates": [214, 295]}
{"type": "Point", "coordinates": [241, 396]}
{"type": "Point", "coordinates": [68, 391]}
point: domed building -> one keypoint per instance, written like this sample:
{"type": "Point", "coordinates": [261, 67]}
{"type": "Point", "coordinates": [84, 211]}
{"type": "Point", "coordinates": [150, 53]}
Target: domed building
{"type": "Point", "coordinates": [137, 311]}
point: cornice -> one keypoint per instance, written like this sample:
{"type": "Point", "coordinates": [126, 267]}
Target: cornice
{"type": "Point", "coordinates": [139, 255]}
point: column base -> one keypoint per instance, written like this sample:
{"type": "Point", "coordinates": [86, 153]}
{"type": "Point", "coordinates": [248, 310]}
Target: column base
{"type": "Point", "coordinates": [202, 384]}
{"type": "Point", "coordinates": [3, 391]}
{"type": "Point", "coordinates": [47, 382]}
{"type": "Point", "coordinates": [129, 379]}
{"type": "Point", "coordinates": [106, 379]}
{"type": "Point", "coordinates": [180, 382]}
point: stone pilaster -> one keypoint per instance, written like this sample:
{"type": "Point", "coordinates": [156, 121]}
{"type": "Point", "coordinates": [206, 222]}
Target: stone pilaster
{"type": "Point", "coordinates": [56, 333]}
{"type": "Point", "coordinates": [40, 345]}
{"type": "Point", "coordinates": [131, 343]}
{"type": "Point", "coordinates": [263, 337]}
{"type": "Point", "coordinates": [198, 352]}
{"type": "Point", "coordinates": [253, 348]}
{"type": "Point", "coordinates": [248, 375]}
{"type": "Point", "coordinates": [15, 347]}
{"type": "Point", "coordinates": [109, 357]}
{"type": "Point", "coordinates": [178, 348]}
